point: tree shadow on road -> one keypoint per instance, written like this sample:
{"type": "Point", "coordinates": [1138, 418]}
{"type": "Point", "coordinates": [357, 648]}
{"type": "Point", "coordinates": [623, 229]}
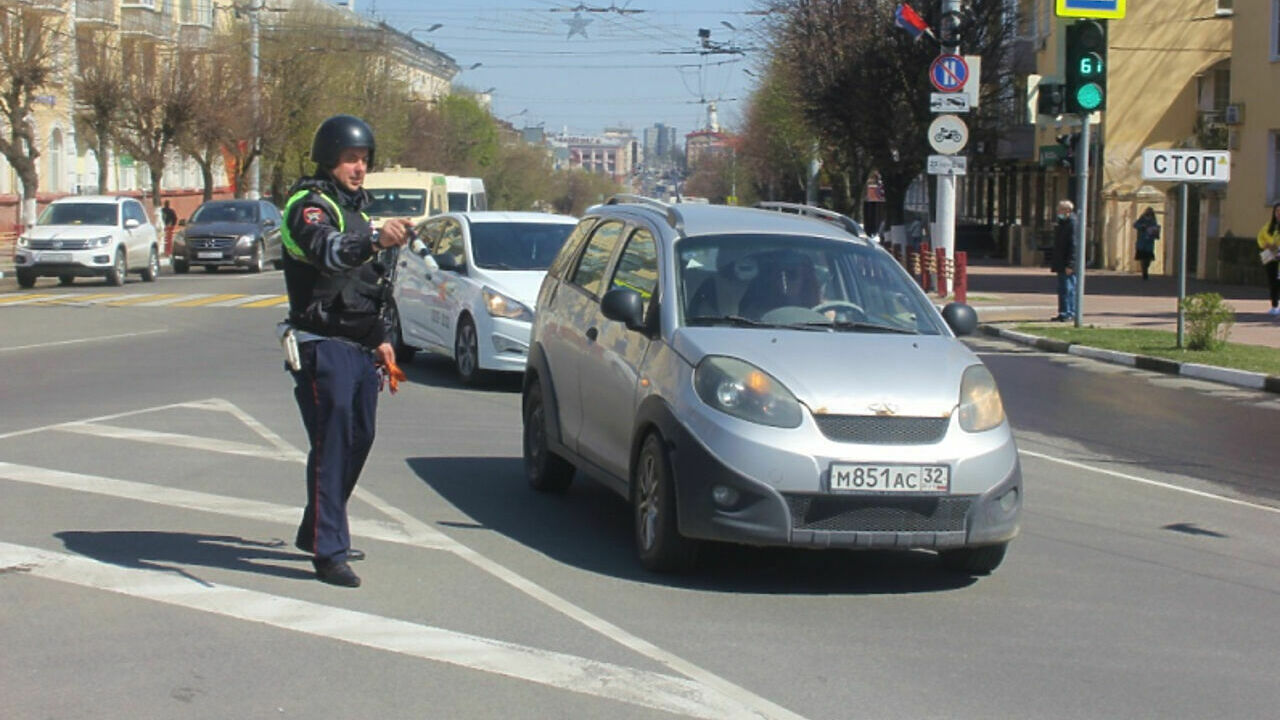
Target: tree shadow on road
{"type": "Point", "coordinates": [175, 551]}
{"type": "Point", "coordinates": [589, 527]}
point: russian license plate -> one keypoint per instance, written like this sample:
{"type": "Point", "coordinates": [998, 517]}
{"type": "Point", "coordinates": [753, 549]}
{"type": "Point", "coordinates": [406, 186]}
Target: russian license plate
{"type": "Point", "coordinates": [53, 257]}
{"type": "Point", "coordinates": [871, 477]}
{"type": "Point", "coordinates": [209, 255]}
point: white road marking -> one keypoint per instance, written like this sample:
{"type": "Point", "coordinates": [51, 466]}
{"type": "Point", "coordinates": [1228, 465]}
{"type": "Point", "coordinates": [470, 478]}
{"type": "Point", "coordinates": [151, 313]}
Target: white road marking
{"type": "Point", "coordinates": [288, 515]}
{"type": "Point", "coordinates": [77, 341]}
{"type": "Point", "coordinates": [193, 442]}
{"type": "Point", "coordinates": [568, 672]}
{"type": "Point", "coordinates": [1147, 481]}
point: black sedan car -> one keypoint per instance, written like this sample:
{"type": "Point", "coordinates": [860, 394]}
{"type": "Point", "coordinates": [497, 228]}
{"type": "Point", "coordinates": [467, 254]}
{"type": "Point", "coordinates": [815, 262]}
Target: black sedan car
{"type": "Point", "coordinates": [229, 233]}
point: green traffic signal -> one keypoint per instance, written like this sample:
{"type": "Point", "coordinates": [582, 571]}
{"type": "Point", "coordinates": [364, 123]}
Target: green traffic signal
{"type": "Point", "coordinates": [1086, 55]}
{"type": "Point", "coordinates": [1089, 97]}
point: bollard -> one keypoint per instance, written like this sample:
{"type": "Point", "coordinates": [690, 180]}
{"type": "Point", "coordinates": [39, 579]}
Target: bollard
{"type": "Point", "coordinates": [945, 271]}
{"type": "Point", "coordinates": [962, 277]}
{"type": "Point", "coordinates": [926, 266]}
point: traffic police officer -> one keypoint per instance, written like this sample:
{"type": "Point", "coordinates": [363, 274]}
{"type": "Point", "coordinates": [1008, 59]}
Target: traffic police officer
{"type": "Point", "coordinates": [336, 292]}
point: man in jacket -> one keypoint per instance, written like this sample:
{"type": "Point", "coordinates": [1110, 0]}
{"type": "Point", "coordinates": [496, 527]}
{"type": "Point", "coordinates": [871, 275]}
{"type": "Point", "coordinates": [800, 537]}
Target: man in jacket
{"type": "Point", "coordinates": [1062, 260]}
{"type": "Point", "coordinates": [336, 292]}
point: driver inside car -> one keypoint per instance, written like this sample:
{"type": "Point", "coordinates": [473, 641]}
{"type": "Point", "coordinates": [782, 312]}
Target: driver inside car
{"type": "Point", "coordinates": [788, 279]}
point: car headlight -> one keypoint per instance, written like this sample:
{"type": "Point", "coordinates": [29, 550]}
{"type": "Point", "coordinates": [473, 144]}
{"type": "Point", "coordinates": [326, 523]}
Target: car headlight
{"type": "Point", "coordinates": [24, 241]}
{"type": "Point", "coordinates": [745, 391]}
{"type": "Point", "coordinates": [98, 242]}
{"type": "Point", "coordinates": [500, 305]}
{"type": "Point", "coordinates": [980, 405]}
{"type": "Point", "coordinates": [244, 240]}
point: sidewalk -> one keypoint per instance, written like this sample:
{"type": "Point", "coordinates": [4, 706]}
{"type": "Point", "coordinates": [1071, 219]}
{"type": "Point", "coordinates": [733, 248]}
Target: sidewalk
{"type": "Point", "coordinates": [1004, 294]}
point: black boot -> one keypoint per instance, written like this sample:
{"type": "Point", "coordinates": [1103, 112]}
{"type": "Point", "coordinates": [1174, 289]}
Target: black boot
{"type": "Point", "coordinates": [336, 573]}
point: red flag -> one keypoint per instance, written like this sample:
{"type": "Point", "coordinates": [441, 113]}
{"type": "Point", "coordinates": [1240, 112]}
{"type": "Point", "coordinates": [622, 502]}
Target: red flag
{"type": "Point", "coordinates": [908, 19]}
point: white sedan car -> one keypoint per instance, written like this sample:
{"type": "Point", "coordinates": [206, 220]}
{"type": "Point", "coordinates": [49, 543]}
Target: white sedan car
{"type": "Point", "coordinates": [467, 291]}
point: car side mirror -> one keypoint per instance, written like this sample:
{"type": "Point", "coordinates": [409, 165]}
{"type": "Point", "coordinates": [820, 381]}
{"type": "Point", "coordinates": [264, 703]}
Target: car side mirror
{"type": "Point", "coordinates": [445, 261]}
{"type": "Point", "coordinates": [182, 223]}
{"type": "Point", "coordinates": [962, 318]}
{"type": "Point", "coordinates": [131, 224]}
{"type": "Point", "coordinates": [624, 305]}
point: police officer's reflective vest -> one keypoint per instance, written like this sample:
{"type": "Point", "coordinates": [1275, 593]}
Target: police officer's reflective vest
{"type": "Point", "coordinates": [357, 315]}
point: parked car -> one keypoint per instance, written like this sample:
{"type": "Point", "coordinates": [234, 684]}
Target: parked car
{"type": "Point", "coordinates": [229, 233]}
{"type": "Point", "coordinates": [468, 292]}
{"type": "Point", "coordinates": [764, 378]}
{"type": "Point", "coordinates": [89, 236]}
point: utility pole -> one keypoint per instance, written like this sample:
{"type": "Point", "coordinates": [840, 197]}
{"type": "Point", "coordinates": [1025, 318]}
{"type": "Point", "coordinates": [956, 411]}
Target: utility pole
{"type": "Point", "coordinates": [945, 225]}
{"type": "Point", "coordinates": [254, 91]}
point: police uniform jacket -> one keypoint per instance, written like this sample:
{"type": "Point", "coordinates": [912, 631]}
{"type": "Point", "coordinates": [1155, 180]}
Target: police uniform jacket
{"type": "Point", "coordinates": [334, 280]}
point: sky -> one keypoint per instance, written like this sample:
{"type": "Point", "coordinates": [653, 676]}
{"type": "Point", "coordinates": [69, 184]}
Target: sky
{"type": "Point", "coordinates": [585, 66]}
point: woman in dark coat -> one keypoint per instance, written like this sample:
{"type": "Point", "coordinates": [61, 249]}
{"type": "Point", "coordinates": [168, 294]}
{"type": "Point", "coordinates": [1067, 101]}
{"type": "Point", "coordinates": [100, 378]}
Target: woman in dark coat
{"type": "Point", "coordinates": [1148, 233]}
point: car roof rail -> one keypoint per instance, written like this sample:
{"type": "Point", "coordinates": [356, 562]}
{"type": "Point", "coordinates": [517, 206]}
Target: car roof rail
{"type": "Point", "coordinates": [831, 216]}
{"type": "Point", "coordinates": [674, 219]}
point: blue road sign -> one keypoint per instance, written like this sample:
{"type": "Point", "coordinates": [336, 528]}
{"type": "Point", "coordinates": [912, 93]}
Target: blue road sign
{"type": "Point", "coordinates": [949, 73]}
{"type": "Point", "coordinates": [1102, 9]}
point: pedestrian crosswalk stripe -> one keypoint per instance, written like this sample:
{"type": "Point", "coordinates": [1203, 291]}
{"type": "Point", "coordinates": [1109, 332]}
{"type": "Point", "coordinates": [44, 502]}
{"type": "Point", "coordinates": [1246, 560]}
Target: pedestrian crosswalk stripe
{"type": "Point", "coordinates": [148, 299]}
{"type": "Point", "coordinates": [223, 300]}
{"type": "Point", "coordinates": [271, 302]}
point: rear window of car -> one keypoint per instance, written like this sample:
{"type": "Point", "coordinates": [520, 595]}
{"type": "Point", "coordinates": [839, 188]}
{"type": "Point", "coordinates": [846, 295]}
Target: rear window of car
{"type": "Point", "coordinates": [721, 277]}
{"type": "Point", "coordinates": [243, 213]}
{"type": "Point", "coordinates": [80, 214]}
{"type": "Point", "coordinates": [517, 246]}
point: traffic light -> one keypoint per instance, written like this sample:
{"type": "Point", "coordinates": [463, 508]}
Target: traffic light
{"type": "Point", "coordinates": [1087, 66]}
{"type": "Point", "coordinates": [1051, 99]}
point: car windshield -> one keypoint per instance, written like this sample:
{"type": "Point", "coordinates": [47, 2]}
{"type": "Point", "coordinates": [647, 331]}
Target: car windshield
{"type": "Point", "coordinates": [226, 212]}
{"type": "Point", "coordinates": [80, 214]}
{"type": "Point", "coordinates": [396, 202]}
{"type": "Point", "coordinates": [517, 246]}
{"type": "Point", "coordinates": [457, 202]}
{"type": "Point", "coordinates": [797, 281]}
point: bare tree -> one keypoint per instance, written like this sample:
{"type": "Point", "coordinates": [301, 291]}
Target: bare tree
{"type": "Point", "coordinates": [864, 84]}
{"type": "Point", "coordinates": [99, 99]}
{"type": "Point", "coordinates": [158, 106]}
{"type": "Point", "coordinates": [220, 101]}
{"type": "Point", "coordinates": [30, 43]}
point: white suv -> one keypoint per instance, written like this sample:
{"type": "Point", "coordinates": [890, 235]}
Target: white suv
{"type": "Point", "coordinates": [88, 236]}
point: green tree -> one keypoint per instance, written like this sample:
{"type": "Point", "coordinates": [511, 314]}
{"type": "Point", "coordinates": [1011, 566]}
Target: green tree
{"type": "Point", "coordinates": [517, 180]}
{"type": "Point", "coordinates": [776, 142]}
{"type": "Point", "coordinates": [576, 190]}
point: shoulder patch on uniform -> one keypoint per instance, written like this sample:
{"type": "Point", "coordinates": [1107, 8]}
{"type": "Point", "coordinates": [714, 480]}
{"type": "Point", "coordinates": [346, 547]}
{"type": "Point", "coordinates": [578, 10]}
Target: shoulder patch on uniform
{"type": "Point", "coordinates": [312, 215]}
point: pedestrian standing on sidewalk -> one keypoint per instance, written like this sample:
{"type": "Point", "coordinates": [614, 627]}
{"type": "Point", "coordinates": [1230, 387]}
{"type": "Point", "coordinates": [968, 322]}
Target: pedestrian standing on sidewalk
{"type": "Point", "coordinates": [1062, 260]}
{"type": "Point", "coordinates": [1269, 250]}
{"type": "Point", "coordinates": [337, 290]}
{"type": "Point", "coordinates": [1148, 233]}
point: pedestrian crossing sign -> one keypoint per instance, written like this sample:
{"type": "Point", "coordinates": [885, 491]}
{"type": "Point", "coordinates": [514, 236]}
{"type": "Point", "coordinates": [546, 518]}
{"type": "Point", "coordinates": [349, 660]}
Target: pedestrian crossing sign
{"type": "Point", "coordinates": [1102, 9]}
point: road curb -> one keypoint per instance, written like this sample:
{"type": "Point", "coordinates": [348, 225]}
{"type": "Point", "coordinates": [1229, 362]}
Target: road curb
{"type": "Point", "coordinates": [1228, 376]}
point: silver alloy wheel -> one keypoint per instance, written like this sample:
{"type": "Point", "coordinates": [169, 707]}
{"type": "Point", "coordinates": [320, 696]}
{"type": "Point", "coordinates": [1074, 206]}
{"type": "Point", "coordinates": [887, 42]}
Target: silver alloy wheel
{"type": "Point", "coordinates": [118, 269]}
{"type": "Point", "coordinates": [153, 267]}
{"type": "Point", "coordinates": [647, 500]}
{"type": "Point", "coordinates": [466, 351]}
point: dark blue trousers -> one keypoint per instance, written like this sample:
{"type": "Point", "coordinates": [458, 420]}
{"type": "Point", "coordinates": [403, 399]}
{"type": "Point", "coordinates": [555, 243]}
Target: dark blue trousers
{"type": "Point", "coordinates": [337, 392]}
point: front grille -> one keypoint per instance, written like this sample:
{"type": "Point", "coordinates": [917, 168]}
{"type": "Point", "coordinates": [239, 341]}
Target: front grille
{"type": "Point", "coordinates": [883, 430]}
{"type": "Point", "coordinates": [58, 244]}
{"type": "Point", "coordinates": [211, 243]}
{"type": "Point", "coordinates": [878, 513]}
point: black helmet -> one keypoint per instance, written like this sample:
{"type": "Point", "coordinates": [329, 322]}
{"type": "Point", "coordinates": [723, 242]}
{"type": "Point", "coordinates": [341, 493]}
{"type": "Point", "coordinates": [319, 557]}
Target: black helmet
{"type": "Point", "coordinates": [337, 134]}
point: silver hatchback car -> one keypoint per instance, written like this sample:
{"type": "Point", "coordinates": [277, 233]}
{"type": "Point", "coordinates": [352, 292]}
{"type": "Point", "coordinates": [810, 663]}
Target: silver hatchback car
{"type": "Point", "coordinates": [764, 378]}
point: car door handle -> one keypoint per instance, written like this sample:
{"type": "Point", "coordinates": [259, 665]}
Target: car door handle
{"type": "Point", "coordinates": [592, 334]}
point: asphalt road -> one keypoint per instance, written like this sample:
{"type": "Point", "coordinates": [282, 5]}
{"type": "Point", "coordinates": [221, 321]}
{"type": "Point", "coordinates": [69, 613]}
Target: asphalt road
{"type": "Point", "coordinates": [150, 465]}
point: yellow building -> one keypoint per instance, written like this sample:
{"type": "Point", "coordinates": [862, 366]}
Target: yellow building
{"type": "Point", "coordinates": [1252, 121]}
{"type": "Point", "coordinates": [1168, 85]}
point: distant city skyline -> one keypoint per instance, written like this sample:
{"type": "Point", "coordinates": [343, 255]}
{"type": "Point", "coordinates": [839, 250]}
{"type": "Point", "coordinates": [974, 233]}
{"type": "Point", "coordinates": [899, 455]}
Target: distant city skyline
{"type": "Point", "coordinates": [582, 67]}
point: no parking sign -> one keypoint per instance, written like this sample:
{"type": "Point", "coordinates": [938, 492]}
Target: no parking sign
{"type": "Point", "coordinates": [948, 73]}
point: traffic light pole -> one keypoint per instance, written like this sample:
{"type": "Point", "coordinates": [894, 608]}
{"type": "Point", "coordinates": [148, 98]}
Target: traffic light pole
{"type": "Point", "coordinates": [945, 224]}
{"type": "Point", "coordinates": [1082, 211]}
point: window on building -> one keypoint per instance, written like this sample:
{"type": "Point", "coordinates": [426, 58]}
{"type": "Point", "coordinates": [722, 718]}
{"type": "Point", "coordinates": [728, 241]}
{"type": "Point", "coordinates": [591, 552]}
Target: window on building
{"type": "Point", "coordinates": [1224, 7]}
{"type": "Point", "coordinates": [1273, 168]}
{"type": "Point", "coordinates": [1275, 29]}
